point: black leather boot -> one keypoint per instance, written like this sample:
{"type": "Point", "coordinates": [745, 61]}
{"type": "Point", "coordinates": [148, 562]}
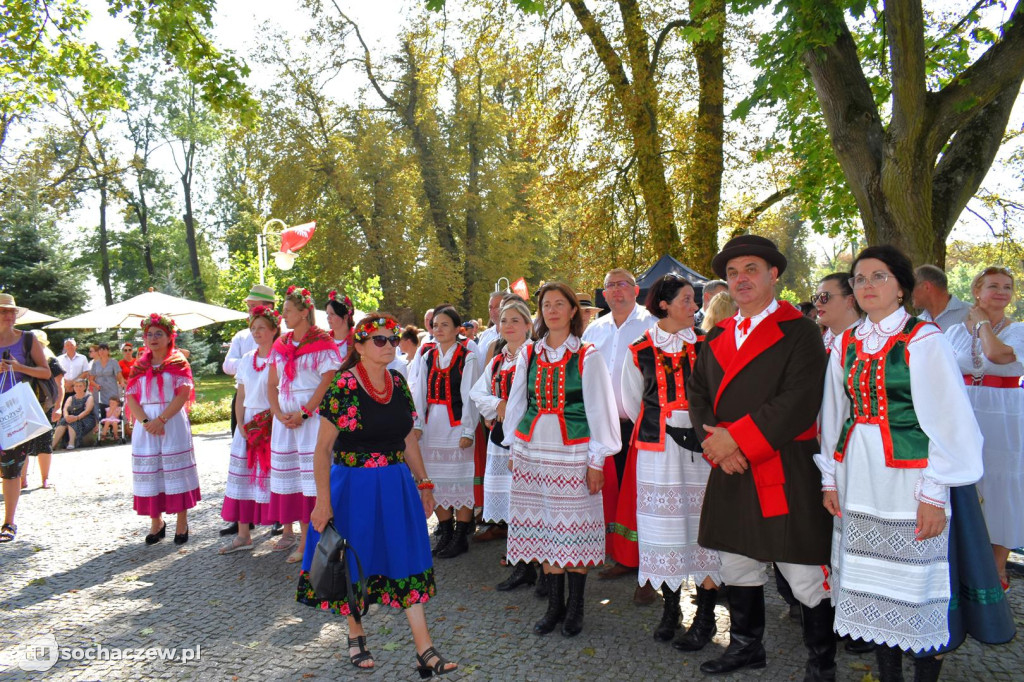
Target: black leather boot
{"type": "Point", "coordinates": [445, 531]}
{"type": "Point", "coordinates": [541, 591]}
{"type": "Point", "coordinates": [670, 613]}
{"type": "Point", "coordinates": [459, 544]}
{"type": "Point", "coordinates": [523, 574]}
{"type": "Point", "coordinates": [890, 663]}
{"type": "Point", "coordinates": [703, 627]}
{"type": "Point", "coordinates": [927, 669]}
{"type": "Point", "coordinates": [858, 646]}
{"type": "Point", "coordinates": [556, 604]}
{"type": "Point", "coordinates": [745, 650]}
{"type": "Point", "coordinates": [573, 624]}
{"type": "Point", "coordinates": [820, 642]}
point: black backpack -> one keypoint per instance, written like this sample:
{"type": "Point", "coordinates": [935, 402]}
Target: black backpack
{"type": "Point", "coordinates": [46, 390]}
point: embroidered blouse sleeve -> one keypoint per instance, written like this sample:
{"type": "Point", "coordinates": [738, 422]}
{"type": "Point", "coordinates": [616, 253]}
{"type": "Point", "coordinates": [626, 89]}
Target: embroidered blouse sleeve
{"type": "Point", "coordinates": [469, 409]}
{"type": "Point", "coordinates": [481, 395]}
{"type": "Point", "coordinates": [632, 386]}
{"type": "Point", "coordinates": [946, 416]}
{"type": "Point", "coordinates": [835, 407]}
{"type": "Point", "coordinates": [418, 388]}
{"type": "Point", "coordinates": [602, 413]}
{"type": "Point", "coordinates": [515, 408]}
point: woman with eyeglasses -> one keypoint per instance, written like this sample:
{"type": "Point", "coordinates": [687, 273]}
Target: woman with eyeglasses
{"type": "Point", "coordinates": [900, 448]}
{"type": "Point", "coordinates": [376, 490]}
{"type": "Point", "coordinates": [302, 366]}
{"type": "Point", "coordinates": [490, 393]}
{"type": "Point", "coordinates": [441, 379]}
{"type": "Point", "coordinates": [159, 391]}
{"type": "Point", "coordinates": [562, 425]}
{"type": "Point", "coordinates": [836, 306]}
{"type": "Point", "coordinates": [667, 475]}
{"type": "Point", "coordinates": [990, 350]}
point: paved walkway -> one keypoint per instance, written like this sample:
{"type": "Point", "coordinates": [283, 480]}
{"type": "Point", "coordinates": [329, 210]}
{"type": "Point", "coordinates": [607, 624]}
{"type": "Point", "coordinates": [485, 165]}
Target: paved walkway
{"type": "Point", "coordinates": [80, 576]}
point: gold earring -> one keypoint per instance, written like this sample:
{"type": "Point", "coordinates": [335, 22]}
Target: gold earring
{"type": "Point", "coordinates": [899, 300]}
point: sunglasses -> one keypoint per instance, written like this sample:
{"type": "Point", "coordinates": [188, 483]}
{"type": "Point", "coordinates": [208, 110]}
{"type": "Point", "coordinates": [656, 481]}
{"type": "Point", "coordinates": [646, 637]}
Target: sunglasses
{"type": "Point", "coordinates": [381, 341]}
{"type": "Point", "coordinates": [822, 298]}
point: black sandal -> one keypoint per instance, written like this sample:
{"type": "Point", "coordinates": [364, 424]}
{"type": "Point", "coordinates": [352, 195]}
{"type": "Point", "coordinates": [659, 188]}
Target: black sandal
{"type": "Point", "coordinates": [8, 532]}
{"type": "Point", "coordinates": [438, 668]}
{"type": "Point", "coordinates": [363, 655]}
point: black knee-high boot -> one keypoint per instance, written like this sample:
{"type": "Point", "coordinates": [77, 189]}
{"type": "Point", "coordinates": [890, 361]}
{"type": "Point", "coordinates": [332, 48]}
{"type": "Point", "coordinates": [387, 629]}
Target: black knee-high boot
{"type": "Point", "coordinates": [890, 663]}
{"type": "Point", "coordinates": [820, 642]}
{"type": "Point", "coordinates": [445, 531]}
{"type": "Point", "coordinates": [541, 591]}
{"type": "Point", "coordinates": [573, 624]}
{"type": "Point", "coordinates": [703, 627]}
{"type": "Point", "coordinates": [556, 604]}
{"type": "Point", "coordinates": [523, 574]}
{"type": "Point", "coordinates": [927, 669]}
{"type": "Point", "coordinates": [459, 543]}
{"type": "Point", "coordinates": [669, 615]}
{"type": "Point", "coordinates": [745, 650]}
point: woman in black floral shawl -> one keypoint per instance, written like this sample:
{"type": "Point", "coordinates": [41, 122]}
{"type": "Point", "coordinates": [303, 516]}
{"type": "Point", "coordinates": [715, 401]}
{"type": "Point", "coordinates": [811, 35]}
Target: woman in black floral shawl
{"type": "Point", "coordinates": [376, 490]}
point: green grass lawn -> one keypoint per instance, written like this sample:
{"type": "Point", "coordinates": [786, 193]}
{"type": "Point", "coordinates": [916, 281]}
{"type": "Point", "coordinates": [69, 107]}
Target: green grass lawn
{"type": "Point", "coordinates": [213, 388]}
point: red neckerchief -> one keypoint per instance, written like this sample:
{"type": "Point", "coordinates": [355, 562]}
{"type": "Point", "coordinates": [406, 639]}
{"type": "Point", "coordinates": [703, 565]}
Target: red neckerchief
{"type": "Point", "coordinates": [315, 340]}
{"type": "Point", "coordinates": [175, 364]}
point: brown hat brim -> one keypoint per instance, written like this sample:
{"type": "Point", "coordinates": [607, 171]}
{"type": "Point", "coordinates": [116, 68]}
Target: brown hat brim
{"type": "Point", "coordinates": [772, 256]}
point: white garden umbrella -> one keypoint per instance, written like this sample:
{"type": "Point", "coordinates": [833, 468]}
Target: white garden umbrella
{"type": "Point", "coordinates": [32, 317]}
{"type": "Point", "coordinates": [129, 314]}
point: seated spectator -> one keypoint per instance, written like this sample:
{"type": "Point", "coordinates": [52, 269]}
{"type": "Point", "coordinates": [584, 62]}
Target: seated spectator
{"type": "Point", "coordinates": [111, 420]}
{"type": "Point", "coordinates": [931, 295]}
{"type": "Point", "coordinates": [78, 419]}
{"type": "Point", "coordinates": [720, 307]}
{"type": "Point", "coordinates": [72, 362]}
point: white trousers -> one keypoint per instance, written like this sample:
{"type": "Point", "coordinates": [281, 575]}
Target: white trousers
{"type": "Point", "coordinates": [809, 582]}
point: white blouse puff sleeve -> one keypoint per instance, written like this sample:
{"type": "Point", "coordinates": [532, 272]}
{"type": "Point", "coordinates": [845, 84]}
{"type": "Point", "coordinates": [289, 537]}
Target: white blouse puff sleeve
{"type": "Point", "coordinates": [486, 402]}
{"type": "Point", "coordinates": [598, 400]}
{"type": "Point", "coordinates": [632, 384]}
{"type": "Point", "coordinates": [943, 410]}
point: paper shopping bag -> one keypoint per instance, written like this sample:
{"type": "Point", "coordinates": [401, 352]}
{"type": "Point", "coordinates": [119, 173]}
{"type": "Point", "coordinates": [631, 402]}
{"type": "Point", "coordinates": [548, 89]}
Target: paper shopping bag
{"type": "Point", "coordinates": [21, 417]}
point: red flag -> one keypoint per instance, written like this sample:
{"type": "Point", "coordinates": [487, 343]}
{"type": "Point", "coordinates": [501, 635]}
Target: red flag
{"type": "Point", "coordinates": [294, 238]}
{"type": "Point", "coordinates": [520, 290]}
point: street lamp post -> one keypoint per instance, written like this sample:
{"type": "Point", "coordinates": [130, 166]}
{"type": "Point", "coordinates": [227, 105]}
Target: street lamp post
{"type": "Point", "coordinates": [284, 261]}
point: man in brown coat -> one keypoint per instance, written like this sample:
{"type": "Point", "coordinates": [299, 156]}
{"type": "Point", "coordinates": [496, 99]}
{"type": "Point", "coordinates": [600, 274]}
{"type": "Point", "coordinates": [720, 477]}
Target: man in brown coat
{"type": "Point", "coordinates": [754, 399]}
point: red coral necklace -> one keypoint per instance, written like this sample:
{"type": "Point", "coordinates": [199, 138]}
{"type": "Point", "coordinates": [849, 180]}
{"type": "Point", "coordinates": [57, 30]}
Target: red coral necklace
{"type": "Point", "coordinates": [383, 397]}
{"type": "Point", "coordinates": [259, 368]}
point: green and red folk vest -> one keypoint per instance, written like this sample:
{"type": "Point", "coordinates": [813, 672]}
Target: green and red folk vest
{"type": "Point", "coordinates": [444, 386]}
{"type": "Point", "coordinates": [556, 388]}
{"type": "Point", "coordinates": [665, 376]}
{"type": "Point", "coordinates": [878, 386]}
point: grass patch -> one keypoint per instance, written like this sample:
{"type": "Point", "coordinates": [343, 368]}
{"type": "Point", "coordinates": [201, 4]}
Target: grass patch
{"type": "Point", "coordinates": [211, 427]}
{"type": "Point", "coordinates": [214, 388]}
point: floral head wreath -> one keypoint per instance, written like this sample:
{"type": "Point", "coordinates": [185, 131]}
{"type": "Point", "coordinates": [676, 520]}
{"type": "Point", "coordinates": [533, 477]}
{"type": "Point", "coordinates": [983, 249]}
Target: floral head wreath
{"type": "Point", "coordinates": [333, 295]}
{"type": "Point", "coordinates": [266, 312]}
{"type": "Point", "coordinates": [158, 320]}
{"type": "Point", "coordinates": [368, 325]}
{"type": "Point", "coordinates": [307, 298]}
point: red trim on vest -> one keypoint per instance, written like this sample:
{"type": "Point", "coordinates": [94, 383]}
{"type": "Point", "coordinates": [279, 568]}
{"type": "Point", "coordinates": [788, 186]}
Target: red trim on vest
{"type": "Point", "coordinates": [436, 378]}
{"type": "Point", "coordinates": [560, 413]}
{"type": "Point", "coordinates": [680, 403]}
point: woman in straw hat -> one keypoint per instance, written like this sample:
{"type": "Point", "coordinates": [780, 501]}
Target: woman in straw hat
{"type": "Point", "coordinates": [23, 355]}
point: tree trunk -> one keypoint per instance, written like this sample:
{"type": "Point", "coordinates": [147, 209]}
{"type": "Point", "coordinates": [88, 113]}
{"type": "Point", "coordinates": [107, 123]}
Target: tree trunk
{"type": "Point", "coordinates": [470, 263]}
{"type": "Point", "coordinates": [190, 226]}
{"type": "Point", "coordinates": [701, 233]}
{"type": "Point", "coordinates": [104, 252]}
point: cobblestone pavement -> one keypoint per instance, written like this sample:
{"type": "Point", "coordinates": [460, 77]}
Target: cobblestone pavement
{"type": "Point", "coordinates": [80, 575]}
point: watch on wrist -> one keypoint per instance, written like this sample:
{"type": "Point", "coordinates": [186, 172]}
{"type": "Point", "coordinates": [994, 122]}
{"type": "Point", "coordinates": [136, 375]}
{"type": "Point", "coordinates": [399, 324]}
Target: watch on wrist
{"type": "Point", "coordinates": [305, 416]}
{"type": "Point", "coordinates": [145, 421]}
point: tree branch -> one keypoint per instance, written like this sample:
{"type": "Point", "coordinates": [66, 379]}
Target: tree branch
{"type": "Point", "coordinates": [763, 206]}
{"type": "Point", "coordinates": [904, 26]}
{"type": "Point", "coordinates": [662, 35]}
{"type": "Point", "coordinates": [367, 64]}
{"type": "Point", "coordinates": [979, 84]}
{"type": "Point", "coordinates": [602, 46]}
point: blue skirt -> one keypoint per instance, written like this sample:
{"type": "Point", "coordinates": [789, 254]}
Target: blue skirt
{"type": "Point", "coordinates": [378, 510]}
{"type": "Point", "coordinates": [977, 604]}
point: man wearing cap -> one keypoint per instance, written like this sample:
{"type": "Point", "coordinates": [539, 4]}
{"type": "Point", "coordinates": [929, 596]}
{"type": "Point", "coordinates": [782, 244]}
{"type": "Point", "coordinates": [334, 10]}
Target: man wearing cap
{"type": "Point", "coordinates": [612, 334]}
{"type": "Point", "coordinates": [241, 343]}
{"type": "Point", "coordinates": [590, 310]}
{"type": "Point", "coordinates": [754, 398]}
{"type": "Point", "coordinates": [72, 362]}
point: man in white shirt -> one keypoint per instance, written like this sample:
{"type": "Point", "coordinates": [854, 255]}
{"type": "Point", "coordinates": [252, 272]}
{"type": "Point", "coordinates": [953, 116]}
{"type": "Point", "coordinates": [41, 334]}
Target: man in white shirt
{"type": "Point", "coordinates": [931, 295]}
{"type": "Point", "coordinates": [710, 289]}
{"type": "Point", "coordinates": [488, 336]}
{"type": "Point", "coordinates": [612, 334]}
{"type": "Point", "coordinates": [241, 343]}
{"type": "Point", "coordinates": [73, 363]}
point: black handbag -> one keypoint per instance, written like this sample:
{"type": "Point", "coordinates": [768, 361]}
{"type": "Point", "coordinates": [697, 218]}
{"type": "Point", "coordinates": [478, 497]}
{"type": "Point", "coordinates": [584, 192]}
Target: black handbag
{"type": "Point", "coordinates": [330, 573]}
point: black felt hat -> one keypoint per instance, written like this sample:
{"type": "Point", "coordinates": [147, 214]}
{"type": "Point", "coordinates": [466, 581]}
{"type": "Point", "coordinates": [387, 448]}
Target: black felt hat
{"type": "Point", "coordinates": [748, 245]}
